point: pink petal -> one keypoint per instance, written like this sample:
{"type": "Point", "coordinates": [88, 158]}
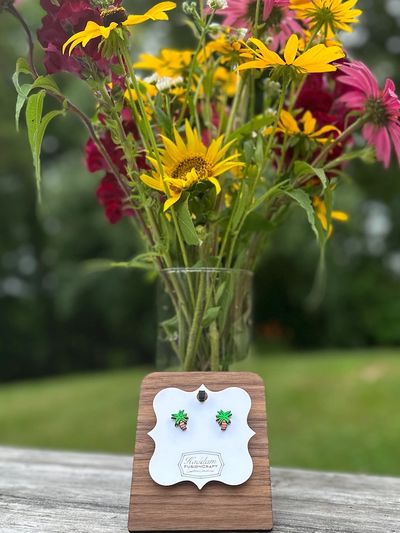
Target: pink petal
{"type": "Point", "coordinates": [268, 5]}
{"type": "Point", "coordinates": [394, 130]}
{"type": "Point", "coordinates": [382, 146]}
{"type": "Point", "coordinates": [353, 100]}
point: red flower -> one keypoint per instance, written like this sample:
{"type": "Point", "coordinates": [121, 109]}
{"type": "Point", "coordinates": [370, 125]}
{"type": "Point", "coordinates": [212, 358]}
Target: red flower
{"type": "Point", "coordinates": [109, 194]}
{"type": "Point", "coordinates": [111, 197]}
{"type": "Point", "coordinates": [64, 18]}
{"type": "Point", "coordinates": [321, 95]}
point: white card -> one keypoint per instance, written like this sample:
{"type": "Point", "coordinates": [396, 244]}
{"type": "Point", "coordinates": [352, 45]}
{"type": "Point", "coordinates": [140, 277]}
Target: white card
{"type": "Point", "coordinates": [203, 452]}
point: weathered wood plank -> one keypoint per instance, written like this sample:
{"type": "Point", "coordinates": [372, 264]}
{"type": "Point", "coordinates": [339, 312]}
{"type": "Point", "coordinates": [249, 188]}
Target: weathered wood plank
{"type": "Point", "coordinates": [52, 492]}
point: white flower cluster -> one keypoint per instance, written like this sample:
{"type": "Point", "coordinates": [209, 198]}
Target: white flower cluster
{"type": "Point", "coordinates": [164, 83]}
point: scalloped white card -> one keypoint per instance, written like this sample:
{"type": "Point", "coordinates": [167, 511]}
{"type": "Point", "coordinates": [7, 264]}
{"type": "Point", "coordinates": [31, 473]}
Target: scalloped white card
{"type": "Point", "coordinates": [203, 452]}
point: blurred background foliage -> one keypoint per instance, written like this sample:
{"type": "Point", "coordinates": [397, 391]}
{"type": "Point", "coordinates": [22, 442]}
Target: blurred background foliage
{"type": "Point", "coordinates": [55, 318]}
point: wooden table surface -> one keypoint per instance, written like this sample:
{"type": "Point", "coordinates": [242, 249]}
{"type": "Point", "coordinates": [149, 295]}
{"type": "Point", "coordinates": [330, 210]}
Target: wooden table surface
{"type": "Point", "coordinates": [54, 492]}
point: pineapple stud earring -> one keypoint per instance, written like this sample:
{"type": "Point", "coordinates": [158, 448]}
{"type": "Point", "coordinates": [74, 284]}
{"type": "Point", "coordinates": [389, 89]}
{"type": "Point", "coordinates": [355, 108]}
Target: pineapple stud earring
{"type": "Point", "coordinates": [181, 419]}
{"type": "Point", "coordinates": [223, 418]}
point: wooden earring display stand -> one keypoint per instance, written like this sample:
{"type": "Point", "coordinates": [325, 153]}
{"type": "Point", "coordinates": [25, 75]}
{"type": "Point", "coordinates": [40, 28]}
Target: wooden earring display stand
{"type": "Point", "coordinates": [217, 507]}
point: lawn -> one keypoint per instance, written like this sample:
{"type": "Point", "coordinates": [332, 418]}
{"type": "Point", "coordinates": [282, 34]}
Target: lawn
{"type": "Point", "coordinates": [331, 411]}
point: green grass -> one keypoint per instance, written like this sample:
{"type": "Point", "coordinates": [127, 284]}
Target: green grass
{"type": "Point", "coordinates": [328, 411]}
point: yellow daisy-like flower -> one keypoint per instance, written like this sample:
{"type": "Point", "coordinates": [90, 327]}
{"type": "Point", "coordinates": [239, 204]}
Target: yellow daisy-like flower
{"type": "Point", "coordinates": [113, 18]}
{"type": "Point", "coordinates": [169, 63]}
{"type": "Point", "coordinates": [227, 80]}
{"type": "Point", "coordinates": [322, 214]}
{"type": "Point", "coordinates": [306, 126]}
{"type": "Point", "coordinates": [317, 59]}
{"type": "Point", "coordinates": [329, 15]}
{"type": "Point", "coordinates": [225, 45]}
{"type": "Point", "coordinates": [185, 163]}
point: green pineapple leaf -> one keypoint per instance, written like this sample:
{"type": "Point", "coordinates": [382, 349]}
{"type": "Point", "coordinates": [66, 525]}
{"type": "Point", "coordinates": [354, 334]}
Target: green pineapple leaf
{"type": "Point", "coordinates": [179, 417]}
{"type": "Point", "coordinates": [223, 416]}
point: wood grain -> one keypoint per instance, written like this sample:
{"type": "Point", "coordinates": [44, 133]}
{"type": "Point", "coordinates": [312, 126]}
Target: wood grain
{"type": "Point", "coordinates": [44, 491]}
{"type": "Point", "coordinates": [217, 507]}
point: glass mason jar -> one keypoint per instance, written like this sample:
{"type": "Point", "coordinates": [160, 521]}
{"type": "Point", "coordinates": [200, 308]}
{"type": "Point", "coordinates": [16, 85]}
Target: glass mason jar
{"type": "Point", "coordinates": [204, 318]}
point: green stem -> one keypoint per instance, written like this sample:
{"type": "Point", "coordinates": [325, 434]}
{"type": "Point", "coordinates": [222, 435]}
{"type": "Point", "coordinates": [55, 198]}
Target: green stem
{"type": "Point", "coordinates": [235, 106]}
{"type": "Point", "coordinates": [192, 67]}
{"type": "Point", "coordinates": [195, 330]}
{"type": "Point", "coordinates": [214, 347]}
{"type": "Point", "coordinates": [152, 147]}
{"type": "Point", "coordinates": [257, 17]}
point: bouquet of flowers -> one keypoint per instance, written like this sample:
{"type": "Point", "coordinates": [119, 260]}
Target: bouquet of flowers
{"type": "Point", "coordinates": [208, 149]}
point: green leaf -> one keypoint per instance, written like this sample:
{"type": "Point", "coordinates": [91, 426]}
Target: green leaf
{"type": "Point", "coordinates": [259, 153]}
{"type": "Point", "coordinates": [303, 168]}
{"type": "Point", "coordinates": [220, 292]}
{"type": "Point", "coordinates": [186, 224]}
{"type": "Point", "coordinates": [240, 207]}
{"type": "Point", "coordinates": [304, 201]}
{"type": "Point", "coordinates": [142, 261]}
{"type": "Point", "coordinates": [21, 67]}
{"type": "Point", "coordinates": [210, 316]}
{"type": "Point", "coordinates": [23, 93]}
{"type": "Point", "coordinates": [256, 124]}
{"type": "Point", "coordinates": [37, 126]}
{"type": "Point", "coordinates": [47, 83]}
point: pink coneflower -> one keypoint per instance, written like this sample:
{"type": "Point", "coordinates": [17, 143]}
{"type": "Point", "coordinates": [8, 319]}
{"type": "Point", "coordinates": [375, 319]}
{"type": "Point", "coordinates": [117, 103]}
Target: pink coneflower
{"type": "Point", "coordinates": [280, 21]}
{"type": "Point", "coordinates": [240, 13]}
{"type": "Point", "coordinates": [382, 108]}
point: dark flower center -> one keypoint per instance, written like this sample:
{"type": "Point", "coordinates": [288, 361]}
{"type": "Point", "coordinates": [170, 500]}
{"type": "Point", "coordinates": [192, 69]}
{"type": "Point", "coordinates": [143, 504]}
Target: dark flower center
{"type": "Point", "coordinates": [377, 111]}
{"type": "Point", "coordinates": [113, 14]}
{"type": "Point", "coordinates": [201, 166]}
{"type": "Point", "coordinates": [275, 18]}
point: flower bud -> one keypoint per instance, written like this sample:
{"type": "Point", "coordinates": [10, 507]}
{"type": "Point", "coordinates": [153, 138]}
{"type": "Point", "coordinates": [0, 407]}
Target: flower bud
{"type": "Point", "coordinates": [189, 8]}
{"type": "Point", "coordinates": [217, 4]}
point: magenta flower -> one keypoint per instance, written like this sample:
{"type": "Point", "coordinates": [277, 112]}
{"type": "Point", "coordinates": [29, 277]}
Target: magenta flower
{"type": "Point", "coordinates": [280, 21]}
{"type": "Point", "coordinates": [62, 19]}
{"type": "Point", "coordinates": [240, 12]}
{"type": "Point", "coordinates": [381, 107]}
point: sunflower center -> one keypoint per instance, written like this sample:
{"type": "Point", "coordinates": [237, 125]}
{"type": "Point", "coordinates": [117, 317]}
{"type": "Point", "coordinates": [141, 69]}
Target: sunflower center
{"type": "Point", "coordinates": [113, 14]}
{"type": "Point", "coordinates": [196, 162]}
{"type": "Point", "coordinates": [377, 111]}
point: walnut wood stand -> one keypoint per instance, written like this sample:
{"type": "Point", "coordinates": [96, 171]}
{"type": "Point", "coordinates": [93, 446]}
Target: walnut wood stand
{"type": "Point", "coordinates": [217, 507]}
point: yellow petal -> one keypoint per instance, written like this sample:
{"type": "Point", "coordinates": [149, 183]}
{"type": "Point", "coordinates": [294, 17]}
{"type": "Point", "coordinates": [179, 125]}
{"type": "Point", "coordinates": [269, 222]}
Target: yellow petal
{"type": "Point", "coordinates": [318, 58]}
{"type": "Point", "coordinates": [152, 182]}
{"type": "Point", "coordinates": [216, 184]}
{"type": "Point", "coordinates": [171, 201]}
{"type": "Point", "coordinates": [309, 122]}
{"type": "Point", "coordinates": [341, 216]}
{"type": "Point", "coordinates": [259, 63]}
{"type": "Point", "coordinates": [157, 12]}
{"type": "Point", "coordinates": [291, 49]}
{"type": "Point", "coordinates": [272, 58]}
{"type": "Point", "coordinates": [171, 149]}
{"type": "Point", "coordinates": [288, 122]}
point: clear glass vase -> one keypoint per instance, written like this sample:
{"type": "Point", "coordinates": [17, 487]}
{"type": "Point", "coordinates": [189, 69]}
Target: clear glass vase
{"type": "Point", "coordinates": [204, 318]}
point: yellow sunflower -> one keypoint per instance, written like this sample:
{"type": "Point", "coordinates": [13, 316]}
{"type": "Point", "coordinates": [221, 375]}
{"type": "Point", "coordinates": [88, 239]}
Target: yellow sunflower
{"type": "Point", "coordinates": [185, 163]}
{"type": "Point", "coordinates": [113, 18]}
{"type": "Point", "coordinates": [328, 15]}
{"type": "Point", "coordinates": [317, 59]}
{"type": "Point", "coordinates": [305, 126]}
